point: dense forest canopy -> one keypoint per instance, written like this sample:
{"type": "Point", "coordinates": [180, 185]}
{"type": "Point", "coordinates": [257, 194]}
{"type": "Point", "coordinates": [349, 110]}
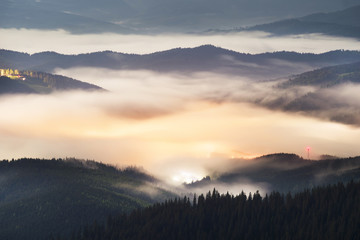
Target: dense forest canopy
{"type": "Point", "coordinates": [328, 212]}
{"type": "Point", "coordinates": [39, 197]}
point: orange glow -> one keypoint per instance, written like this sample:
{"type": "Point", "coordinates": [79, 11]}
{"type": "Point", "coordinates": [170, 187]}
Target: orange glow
{"type": "Point", "coordinates": [176, 136]}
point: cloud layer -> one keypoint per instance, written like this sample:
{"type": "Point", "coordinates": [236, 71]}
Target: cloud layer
{"type": "Point", "coordinates": [32, 41]}
{"type": "Point", "coordinates": [178, 127]}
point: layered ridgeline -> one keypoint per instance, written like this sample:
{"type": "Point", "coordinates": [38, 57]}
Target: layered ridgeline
{"type": "Point", "coordinates": [206, 58]}
{"type": "Point", "coordinates": [15, 81]}
{"type": "Point", "coordinates": [39, 198]}
{"type": "Point", "coordinates": [143, 16]}
{"type": "Point", "coordinates": [313, 93]}
{"type": "Point", "coordinates": [330, 212]}
{"type": "Point", "coordinates": [343, 23]}
{"type": "Point", "coordinates": [281, 172]}
{"type": "Point", "coordinates": [328, 93]}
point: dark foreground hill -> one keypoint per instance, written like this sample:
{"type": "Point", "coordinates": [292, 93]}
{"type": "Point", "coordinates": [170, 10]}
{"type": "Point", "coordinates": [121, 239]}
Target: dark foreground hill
{"type": "Point", "coordinates": [39, 198]}
{"type": "Point", "coordinates": [284, 172]}
{"type": "Point", "coordinates": [330, 212]}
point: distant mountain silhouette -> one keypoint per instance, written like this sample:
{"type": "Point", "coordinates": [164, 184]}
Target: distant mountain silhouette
{"type": "Point", "coordinates": [144, 16]}
{"type": "Point", "coordinates": [186, 60]}
{"type": "Point", "coordinates": [345, 23]}
{"type": "Point", "coordinates": [54, 16]}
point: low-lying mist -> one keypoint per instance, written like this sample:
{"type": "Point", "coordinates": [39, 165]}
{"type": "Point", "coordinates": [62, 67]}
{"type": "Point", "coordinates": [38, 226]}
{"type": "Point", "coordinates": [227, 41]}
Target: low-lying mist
{"type": "Point", "coordinates": [32, 41]}
{"type": "Point", "coordinates": [178, 127]}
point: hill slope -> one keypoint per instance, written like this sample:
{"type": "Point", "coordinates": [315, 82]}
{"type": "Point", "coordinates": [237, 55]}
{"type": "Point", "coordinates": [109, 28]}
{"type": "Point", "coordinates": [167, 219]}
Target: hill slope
{"type": "Point", "coordinates": [343, 23]}
{"type": "Point", "coordinates": [285, 172]}
{"type": "Point", "coordinates": [9, 86]}
{"type": "Point", "coordinates": [328, 76]}
{"type": "Point", "coordinates": [43, 197]}
{"type": "Point", "coordinates": [40, 82]}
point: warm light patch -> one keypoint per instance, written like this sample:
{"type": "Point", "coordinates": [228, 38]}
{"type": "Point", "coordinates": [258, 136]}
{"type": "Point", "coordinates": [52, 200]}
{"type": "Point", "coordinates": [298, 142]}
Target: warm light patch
{"type": "Point", "coordinates": [185, 177]}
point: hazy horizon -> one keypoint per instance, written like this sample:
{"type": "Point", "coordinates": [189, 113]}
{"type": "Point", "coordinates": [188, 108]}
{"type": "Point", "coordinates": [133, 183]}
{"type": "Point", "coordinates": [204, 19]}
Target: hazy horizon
{"type": "Point", "coordinates": [64, 42]}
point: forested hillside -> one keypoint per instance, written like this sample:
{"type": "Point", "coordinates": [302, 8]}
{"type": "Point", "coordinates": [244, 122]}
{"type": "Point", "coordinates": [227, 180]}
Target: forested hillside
{"type": "Point", "coordinates": [9, 86]}
{"type": "Point", "coordinates": [328, 76]}
{"type": "Point", "coordinates": [56, 82]}
{"type": "Point", "coordinates": [284, 173]}
{"type": "Point", "coordinates": [330, 212]}
{"type": "Point", "coordinates": [39, 198]}
{"type": "Point", "coordinates": [40, 82]}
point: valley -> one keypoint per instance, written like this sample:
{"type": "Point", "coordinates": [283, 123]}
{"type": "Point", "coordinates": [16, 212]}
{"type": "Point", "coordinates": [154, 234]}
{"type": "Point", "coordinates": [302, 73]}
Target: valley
{"type": "Point", "coordinates": [179, 119]}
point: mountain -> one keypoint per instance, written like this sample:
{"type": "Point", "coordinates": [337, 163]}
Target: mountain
{"type": "Point", "coordinates": [39, 82]}
{"type": "Point", "coordinates": [39, 198]}
{"type": "Point", "coordinates": [52, 15]}
{"type": "Point", "coordinates": [344, 23]}
{"type": "Point", "coordinates": [328, 76]}
{"type": "Point", "coordinates": [327, 93]}
{"type": "Point", "coordinates": [154, 16]}
{"type": "Point", "coordinates": [187, 60]}
{"type": "Point", "coordinates": [284, 173]}
{"type": "Point", "coordinates": [268, 71]}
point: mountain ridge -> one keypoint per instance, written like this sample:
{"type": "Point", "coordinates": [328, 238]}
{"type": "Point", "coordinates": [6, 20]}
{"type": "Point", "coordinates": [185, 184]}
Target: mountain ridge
{"type": "Point", "coordinates": [343, 23]}
{"type": "Point", "coordinates": [155, 16]}
{"type": "Point", "coordinates": [187, 60]}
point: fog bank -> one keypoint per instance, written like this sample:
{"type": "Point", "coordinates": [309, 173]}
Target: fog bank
{"type": "Point", "coordinates": [179, 128]}
{"type": "Point", "coordinates": [33, 41]}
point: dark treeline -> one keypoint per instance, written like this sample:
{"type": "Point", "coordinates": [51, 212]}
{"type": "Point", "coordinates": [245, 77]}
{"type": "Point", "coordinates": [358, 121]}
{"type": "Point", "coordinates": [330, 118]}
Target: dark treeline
{"type": "Point", "coordinates": [331, 212]}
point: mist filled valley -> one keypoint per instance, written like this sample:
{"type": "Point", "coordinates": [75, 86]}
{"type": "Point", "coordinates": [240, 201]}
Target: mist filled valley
{"type": "Point", "coordinates": [143, 126]}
